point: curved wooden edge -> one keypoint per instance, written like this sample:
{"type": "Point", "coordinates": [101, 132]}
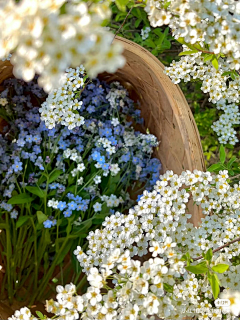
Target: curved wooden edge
{"type": "Point", "coordinates": [182, 111]}
{"type": "Point", "coordinates": [176, 99]}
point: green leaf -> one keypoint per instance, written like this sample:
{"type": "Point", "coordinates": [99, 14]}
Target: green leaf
{"type": "Point", "coordinates": [39, 314]}
{"type": "Point", "coordinates": [150, 43]}
{"type": "Point", "coordinates": [137, 23]}
{"type": "Point", "coordinates": [214, 282]}
{"type": "Point", "coordinates": [20, 198]}
{"type": "Point", "coordinates": [222, 154]}
{"type": "Point", "coordinates": [99, 218]}
{"type": "Point", "coordinates": [64, 252]}
{"type": "Point", "coordinates": [21, 221]}
{"type": "Point", "coordinates": [220, 268]}
{"type": "Point", "coordinates": [215, 63]}
{"type": "Point", "coordinates": [54, 175]}
{"type": "Point", "coordinates": [184, 53]}
{"type": "Point", "coordinates": [207, 57]}
{"type": "Point", "coordinates": [167, 287]}
{"type": "Point", "coordinates": [121, 4]}
{"type": "Point", "coordinates": [198, 269]}
{"type": "Point", "coordinates": [208, 255]}
{"type": "Point", "coordinates": [231, 161]}
{"type": "Point", "coordinates": [36, 190]}
{"type": "Point", "coordinates": [41, 217]}
{"type": "Point", "coordinates": [215, 167]}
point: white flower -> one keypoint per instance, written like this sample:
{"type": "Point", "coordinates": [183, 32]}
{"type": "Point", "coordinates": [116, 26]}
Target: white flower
{"type": "Point", "coordinates": [97, 207]}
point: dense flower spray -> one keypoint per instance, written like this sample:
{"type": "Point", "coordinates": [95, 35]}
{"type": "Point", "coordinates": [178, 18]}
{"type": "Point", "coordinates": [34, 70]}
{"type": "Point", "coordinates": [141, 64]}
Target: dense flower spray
{"type": "Point", "coordinates": [48, 36]}
{"type": "Point", "coordinates": [154, 262]}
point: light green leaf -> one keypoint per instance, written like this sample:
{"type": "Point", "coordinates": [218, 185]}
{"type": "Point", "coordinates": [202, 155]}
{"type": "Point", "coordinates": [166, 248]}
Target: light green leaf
{"type": "Point", "coordinates": [20, 199]}
{"type": "Point", "coordinates": [207, 57]}
{"type": "Point", "coordinates": [21, 221]}
{"type": "Point", "coordinates": [208, 255]}
{"type": "Point", "coordinates": [214, 282]}
{"type": "Point", "coordinates": [184, 53]}
{"type": "Point", "coordinates": [35, 190]}
{"type": "Point", "coordinates": [198, 269]}
{"type": "Point", "coordinates": [215, 63]}
{"type": "Point", "coordinates": [121, 4]}
{"type": "Point", "coordinates": [41, 217]}
{"type": "Point", "coordinates": [220, 268]}
{"type": "Point", "coordinates": [222, 154]}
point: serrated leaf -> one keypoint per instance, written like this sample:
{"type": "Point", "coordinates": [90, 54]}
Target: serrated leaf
{"type": "Point", "coordinates": [41, 217]}
{"type": "Point", "coordinates": [21, 221]}
{"type": "Point", "coordinates": [35, 190]}
{"type": "Point", "coordinates": [198, 269]}
{"type": "Point", "coordinates": [222, 154]}
{"type": "Point", "coordinates": [184, 53]}
{"type": "Point", "coordinates": [220, 268]}
{"type": "Point", "coordinates": [20, 199]}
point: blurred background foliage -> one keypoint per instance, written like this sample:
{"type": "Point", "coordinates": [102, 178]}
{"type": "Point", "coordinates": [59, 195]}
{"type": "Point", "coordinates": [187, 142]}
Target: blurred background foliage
{"type": "Point", "coordinates": [128, 23]}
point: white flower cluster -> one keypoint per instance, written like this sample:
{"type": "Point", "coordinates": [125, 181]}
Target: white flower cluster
{"type": "Point", "coordinates": [47, 36]}
{"type": "Point", "coordinates": [112, 200]}
{"type": "Point", "coordinates": [214, 22]}
{"type": "Point", "coordinates": [61, 105]}
{"type": "Point", "coordinates": [74, 155]}
{"type": "Point", "coordinates": [145, 32]}
{"type": "Point", "coordinates": [224, 126]}
{"type": "Point", "coordinates": [221, 88]}
{"type": "Point", "coordinates": [159, 224]}
{"type": "Point", "coordinates": [136, 258]}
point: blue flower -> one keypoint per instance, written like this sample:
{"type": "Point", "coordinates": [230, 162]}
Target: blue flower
{"type": "Point", "coordinates": [117, 130]}
{"type": "Point", "coordinates": [135, 160]}
{"type": "Point", "coordinates": [113, 141]}
{"type": "Point", "coordinates": [17, 166]}
{"type": "Point", "coordinates": [72, 205]}
{"type": "Point", "coordinates": [32, 157]}
{"type": "Point", "coordinates": [105, 166]}
{"type": "Point", "coordinates": [91, 109]}
{"type": "Point", "coordinates": [14, 214]}
{"type": "Point", "coordinates": [101, 159]}
{"type": "Point", "coordinates": [37, 149]}
{"type": "Point", "coordinates": [67, 213]}
{"type": "Point", "coordinates": [95, 155]}
{"type": "Point", "coordinates": [29, 138]}
{"type": "Point", "coordinates": [47, 223]}
{"type": "Point", "coordinates": [107, 132]}
{"type": "Point", "coordinates": [125, 157]}
{"type": "Point", "coordinates": [6, 206]}
{"type": "Point", "coordinates": [80, 148]}
{"type": "Point", "coordinates": [20, 142]}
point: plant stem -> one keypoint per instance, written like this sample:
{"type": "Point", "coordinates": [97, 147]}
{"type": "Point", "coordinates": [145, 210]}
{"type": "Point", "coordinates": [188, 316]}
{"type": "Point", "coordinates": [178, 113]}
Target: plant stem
{"type": "Point", "coordinates": [9, 259]}
{"type": "Point", "coordinates": [35, 255]}
{"type": "Point", "coordinates": [46, 279]}
{"type": "Point", "coordinates": [220, 248]}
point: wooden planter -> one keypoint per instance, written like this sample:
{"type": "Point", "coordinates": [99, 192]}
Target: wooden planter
{"type": "Point", "coordinates": [166, 113]}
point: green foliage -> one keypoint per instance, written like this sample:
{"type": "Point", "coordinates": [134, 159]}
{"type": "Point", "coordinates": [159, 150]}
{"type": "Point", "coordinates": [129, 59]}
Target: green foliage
{"type": "Point", "coordinates": [232, 164]}
{"type": "Point", "coordinates": [159, 39]}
